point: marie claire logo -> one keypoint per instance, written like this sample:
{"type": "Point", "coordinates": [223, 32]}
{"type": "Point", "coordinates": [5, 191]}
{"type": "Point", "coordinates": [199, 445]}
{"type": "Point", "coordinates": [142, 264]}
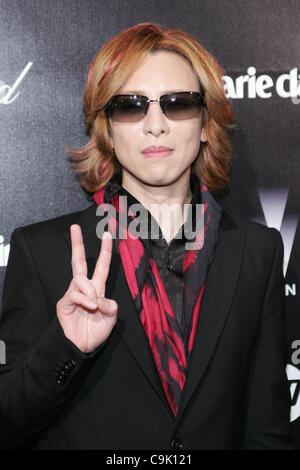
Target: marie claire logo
{"type": "Point", "coordinates": [141, 227]}
{"type": "Point", "coordinates": [9, 93]}
{"type": "Point", "coordinates": [252, 85]}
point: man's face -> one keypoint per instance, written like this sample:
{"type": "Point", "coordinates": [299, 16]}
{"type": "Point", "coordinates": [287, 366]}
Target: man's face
{"type": "Point", "coordinates": [162, 72]}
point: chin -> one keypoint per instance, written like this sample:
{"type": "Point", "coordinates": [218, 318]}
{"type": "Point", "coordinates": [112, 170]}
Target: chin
{"type": "Point", "coordinates": [160, 180]}
{"type": "Point", "coordinates": [157, 177]}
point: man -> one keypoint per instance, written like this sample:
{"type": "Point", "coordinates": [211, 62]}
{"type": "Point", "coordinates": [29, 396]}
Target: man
{"type": "Point", "coordinates": [124, 343]}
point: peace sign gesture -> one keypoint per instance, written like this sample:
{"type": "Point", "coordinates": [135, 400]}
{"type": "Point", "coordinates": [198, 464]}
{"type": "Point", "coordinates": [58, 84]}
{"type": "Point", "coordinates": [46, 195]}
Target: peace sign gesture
{"type": "Point", "coordinates": [85, 314]}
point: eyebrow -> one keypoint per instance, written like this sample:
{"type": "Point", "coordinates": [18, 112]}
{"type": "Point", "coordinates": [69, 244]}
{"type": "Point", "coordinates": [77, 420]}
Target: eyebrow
{"type": "Point", "coordinates": [140, 92]}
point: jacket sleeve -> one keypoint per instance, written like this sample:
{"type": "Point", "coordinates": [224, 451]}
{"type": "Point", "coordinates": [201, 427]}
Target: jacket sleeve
{"type": "Point", "coordinates": [268, 403]}
{"type": "Point", "coordinates": [43, 368]}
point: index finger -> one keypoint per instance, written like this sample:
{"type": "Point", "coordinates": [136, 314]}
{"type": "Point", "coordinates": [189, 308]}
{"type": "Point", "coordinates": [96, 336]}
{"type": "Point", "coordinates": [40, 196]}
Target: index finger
{"type": "Point", "coordinates": [78, 262]}
{"type": "Point", "coordinates": [103, 264]}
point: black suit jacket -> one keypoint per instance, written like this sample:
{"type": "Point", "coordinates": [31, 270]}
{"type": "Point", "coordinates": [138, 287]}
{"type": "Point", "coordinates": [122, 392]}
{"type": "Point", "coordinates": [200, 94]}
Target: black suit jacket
{"type": "Point", "coordinates": [53, 396]}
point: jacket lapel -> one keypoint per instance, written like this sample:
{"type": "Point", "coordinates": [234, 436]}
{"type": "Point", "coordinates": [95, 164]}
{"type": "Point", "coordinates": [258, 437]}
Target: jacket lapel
{"type": "Point", "coordinates": [221, 282]}
{"type": "Point", "coordinates": [218, 293]}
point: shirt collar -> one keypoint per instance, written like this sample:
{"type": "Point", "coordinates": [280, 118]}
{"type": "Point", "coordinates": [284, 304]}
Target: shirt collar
{"type": "Point", "coordinates": [115, 186]}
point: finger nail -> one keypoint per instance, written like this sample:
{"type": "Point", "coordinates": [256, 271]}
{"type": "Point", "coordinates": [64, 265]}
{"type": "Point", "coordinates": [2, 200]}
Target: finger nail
{"type": "Point", "coordinates": [106, 234]}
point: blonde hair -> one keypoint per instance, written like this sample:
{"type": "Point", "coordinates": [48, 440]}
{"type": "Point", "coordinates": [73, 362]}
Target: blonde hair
{"type": "Point", "coordinates": [96, 162]}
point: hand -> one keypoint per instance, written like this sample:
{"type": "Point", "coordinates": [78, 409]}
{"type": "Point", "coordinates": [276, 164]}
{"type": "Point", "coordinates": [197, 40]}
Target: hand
{"type": "Point", "coordinates": [85, 314]}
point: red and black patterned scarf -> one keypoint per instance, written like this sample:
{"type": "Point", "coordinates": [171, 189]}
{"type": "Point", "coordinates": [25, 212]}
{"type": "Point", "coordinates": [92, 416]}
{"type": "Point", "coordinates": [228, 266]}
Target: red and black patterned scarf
{"type": "Point", "coordinates": [170, 345]}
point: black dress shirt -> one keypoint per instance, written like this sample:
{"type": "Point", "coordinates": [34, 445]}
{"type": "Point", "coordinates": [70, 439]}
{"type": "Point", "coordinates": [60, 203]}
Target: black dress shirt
{"type": "Point", "coordinates": [169, 256]}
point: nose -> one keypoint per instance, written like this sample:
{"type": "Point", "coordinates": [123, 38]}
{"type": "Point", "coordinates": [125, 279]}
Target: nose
{"type": "Point", "coordinates": [155, 121]}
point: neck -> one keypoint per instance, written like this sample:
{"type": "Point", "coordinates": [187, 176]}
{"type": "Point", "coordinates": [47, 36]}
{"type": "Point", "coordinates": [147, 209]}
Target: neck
{"type": "Point", "coordinates": [166, 203]}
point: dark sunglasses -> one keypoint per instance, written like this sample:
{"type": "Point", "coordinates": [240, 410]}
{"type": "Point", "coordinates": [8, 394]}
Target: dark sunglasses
{"type": "Point", "coordinates": [176, 106]}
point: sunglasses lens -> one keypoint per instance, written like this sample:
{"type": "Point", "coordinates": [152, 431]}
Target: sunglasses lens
{"type": "Point", "coordinates": [126, 109]}
{"type": "Point", "coordinates": [181, 106]}
{"type": "Point", "coordinates": [176, 106]}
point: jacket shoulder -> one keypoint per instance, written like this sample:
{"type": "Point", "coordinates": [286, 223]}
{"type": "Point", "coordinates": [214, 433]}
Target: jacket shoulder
{"type": "Point", "coordinates": [53, 227]}
{"type": "Point", "coordinates": [261, 236]}
{"type": "Point", "coordinates": [254, 230]}
{"type": "Point", "coordinates": [257, 229]}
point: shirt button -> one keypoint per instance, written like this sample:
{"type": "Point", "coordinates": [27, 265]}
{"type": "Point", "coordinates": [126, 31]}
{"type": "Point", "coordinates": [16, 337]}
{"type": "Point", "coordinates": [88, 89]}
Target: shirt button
{"type": "Point", "coordinates": [170, 266]}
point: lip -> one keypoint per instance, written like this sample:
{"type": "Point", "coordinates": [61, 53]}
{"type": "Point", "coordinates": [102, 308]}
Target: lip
{"type": "Point", "coordinates": [156, 151]}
